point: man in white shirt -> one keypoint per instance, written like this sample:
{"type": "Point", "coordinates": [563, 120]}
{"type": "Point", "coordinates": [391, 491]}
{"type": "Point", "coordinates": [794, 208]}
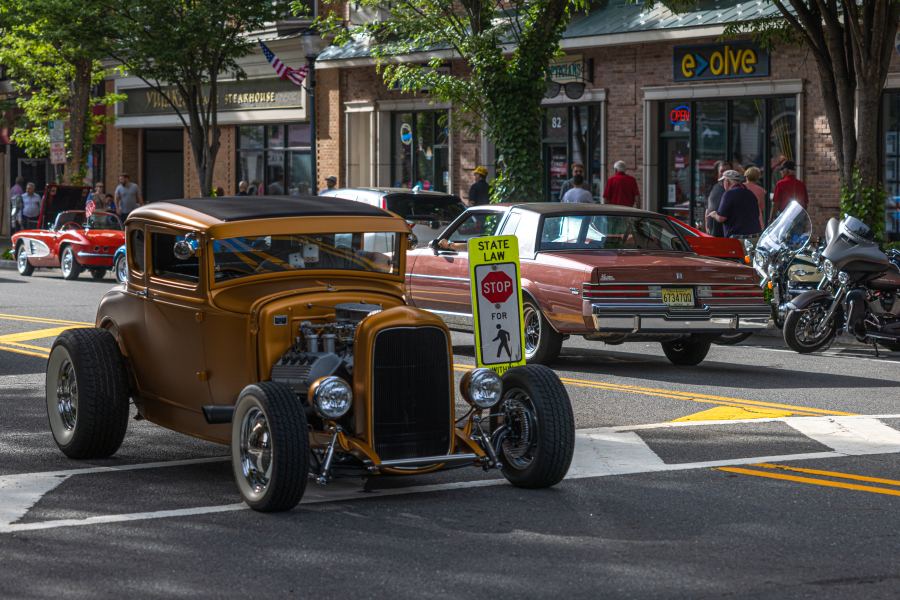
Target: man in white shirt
{"type": "Point", "coordinates": [31, 207]}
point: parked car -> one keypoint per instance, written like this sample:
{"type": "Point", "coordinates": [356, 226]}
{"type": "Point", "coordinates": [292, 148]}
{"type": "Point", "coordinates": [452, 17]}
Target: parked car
{"type": "Point", "coordinates": [705, 244]}
{"type": "Point", "coordinates": [427, 212]}
{"type": "Point", "coordinates": [67, 237]}
{"type": "Point", "coordinates": [120, 264]}
{"type": "Point", "coordinates": [272, 326]}
{"type": "Point", "coordinates": [604, 272]}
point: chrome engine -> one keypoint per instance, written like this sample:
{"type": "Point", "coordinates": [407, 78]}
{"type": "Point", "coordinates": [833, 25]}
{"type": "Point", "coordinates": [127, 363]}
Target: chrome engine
{"type": "Point", "coordinates": [322, 349]}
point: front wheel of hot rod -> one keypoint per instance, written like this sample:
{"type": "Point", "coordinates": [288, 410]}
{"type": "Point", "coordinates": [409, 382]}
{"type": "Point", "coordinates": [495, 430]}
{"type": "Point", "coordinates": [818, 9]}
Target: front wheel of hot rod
{"type": "Point", "coordinates": [87, 393]}
{"type": "Point", "coordinates": [538, 436]}
{"type": "Point", "coordinates": [269, 447]}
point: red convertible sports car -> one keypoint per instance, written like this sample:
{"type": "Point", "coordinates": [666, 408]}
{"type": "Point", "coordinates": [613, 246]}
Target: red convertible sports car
{"type": "Point", "coordinates": [67, 237]}
{"type": "Point", "coordinates": [604, 272]}
{"type": "Point", "coordinates": [709, 245]}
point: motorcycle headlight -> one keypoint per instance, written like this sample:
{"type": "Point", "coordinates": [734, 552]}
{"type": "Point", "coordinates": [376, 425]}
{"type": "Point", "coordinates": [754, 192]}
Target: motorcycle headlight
{"type": "Point", "coordinates": [748, 246]}
{"type": "Point", "coordinates": [844, 277]}
{"type": "Point", "coordinates": [331, 397]}
{"type": "Point", "coordinates": [828, 268]}
{"type": "Point", "coordinates": [481, 388]}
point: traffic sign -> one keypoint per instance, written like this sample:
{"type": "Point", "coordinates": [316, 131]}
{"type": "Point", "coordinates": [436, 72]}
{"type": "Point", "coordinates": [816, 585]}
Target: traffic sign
{"type": "Point", "coordinates": [57, 129]}
{"type": "Point", "coordinates": [57, 153]}
{"type": "Point", "coordinates": [497, 302]}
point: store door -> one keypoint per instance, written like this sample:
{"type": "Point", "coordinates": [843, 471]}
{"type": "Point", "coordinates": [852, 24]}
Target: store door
{"type": "Point", "coordinates": [676, 177]}
{"type": "Point", "coordinates": [163, 164]}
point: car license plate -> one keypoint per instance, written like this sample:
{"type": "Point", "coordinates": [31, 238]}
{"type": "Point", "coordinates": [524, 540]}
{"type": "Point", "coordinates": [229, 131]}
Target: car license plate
{"type": "Point", "coordinates": [678, 297]}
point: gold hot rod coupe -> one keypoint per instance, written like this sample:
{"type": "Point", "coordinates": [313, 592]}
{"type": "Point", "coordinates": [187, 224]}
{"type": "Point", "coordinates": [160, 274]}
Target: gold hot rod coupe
{"type": "Point", "coordinates": [280, 326]}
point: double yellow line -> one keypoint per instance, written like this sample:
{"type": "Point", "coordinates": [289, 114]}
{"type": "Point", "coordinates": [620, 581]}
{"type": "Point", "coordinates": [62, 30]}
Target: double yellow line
{"type": "Point", "coordinates": [14, 342]}
{"type": "Point", "coordinates": [802, 411]}
{"type": "Point", "coordinates": [778, 472]}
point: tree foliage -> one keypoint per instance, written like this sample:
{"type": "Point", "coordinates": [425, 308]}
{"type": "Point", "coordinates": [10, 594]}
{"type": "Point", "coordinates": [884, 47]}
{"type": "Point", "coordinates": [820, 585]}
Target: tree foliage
{"type": "Point", "coordinates": [505, 48]}
{"type": "Point", "coordinates": [852, 43]}
{"type": "Point", "coordinates": [52, 50]}
{"type": "Point", "coordinates": [181, 49]}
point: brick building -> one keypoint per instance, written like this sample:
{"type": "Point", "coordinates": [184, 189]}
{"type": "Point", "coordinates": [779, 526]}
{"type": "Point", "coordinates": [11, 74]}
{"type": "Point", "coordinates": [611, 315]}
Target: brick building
{"type": "Point", "coordinates": [660, 91]}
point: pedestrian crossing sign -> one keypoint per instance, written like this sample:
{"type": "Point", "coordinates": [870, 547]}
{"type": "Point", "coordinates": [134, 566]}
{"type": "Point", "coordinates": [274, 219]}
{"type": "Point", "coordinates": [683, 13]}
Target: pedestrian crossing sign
{"type": "Point", "coordinates": [497, 302]}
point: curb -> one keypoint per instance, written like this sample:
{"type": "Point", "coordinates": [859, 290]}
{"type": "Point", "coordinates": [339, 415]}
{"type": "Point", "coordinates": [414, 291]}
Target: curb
{"type": "Point", "coordinates": [7, 264]}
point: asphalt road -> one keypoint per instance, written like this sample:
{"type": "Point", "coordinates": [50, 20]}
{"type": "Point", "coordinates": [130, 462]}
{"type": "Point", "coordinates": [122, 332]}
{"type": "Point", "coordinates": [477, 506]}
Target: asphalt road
{"type": "Point", "coordinates": [759, 473]}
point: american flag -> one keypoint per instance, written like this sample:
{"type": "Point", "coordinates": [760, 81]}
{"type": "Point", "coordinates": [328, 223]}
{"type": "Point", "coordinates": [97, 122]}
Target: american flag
{"type": "Point", "coordinates": [295, 76]}
{"type": "Point", "coordinates": [89, 208]}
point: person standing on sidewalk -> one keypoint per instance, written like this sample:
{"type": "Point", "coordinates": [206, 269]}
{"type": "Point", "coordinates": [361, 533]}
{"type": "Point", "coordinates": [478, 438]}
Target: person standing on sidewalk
{"type": "Point", "coordinates": [578, 193]}
{"type": "Point", "coordinates": [479, 191]}
{"type": "Point", "coordinates": [753, 175]}
{"type": "Point", "coordinates": [714, 227]}
{"type": "Point", "coordinates": [738, 211]}
{"type": "Point", "coordinates": [622, 188]}
{"type": "Point", "coordinates": [568, 184]}
{"type": "Point", "coordinates": [128, 196]}
{"type": "Point", "coordinates": [789, 188]}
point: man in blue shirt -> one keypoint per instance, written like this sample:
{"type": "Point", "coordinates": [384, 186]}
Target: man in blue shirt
{"type": "Point", "coordinates": [738, 210]}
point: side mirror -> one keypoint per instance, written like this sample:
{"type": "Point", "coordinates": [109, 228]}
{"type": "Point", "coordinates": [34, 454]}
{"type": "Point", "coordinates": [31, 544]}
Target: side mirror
{"type": "Point", "coordinates": [433, 244]}
{"type": "Point", "coordinates": [412, 241]}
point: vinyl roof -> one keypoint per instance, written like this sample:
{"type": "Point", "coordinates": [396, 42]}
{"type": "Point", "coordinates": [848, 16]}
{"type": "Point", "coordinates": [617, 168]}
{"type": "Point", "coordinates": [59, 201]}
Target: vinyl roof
{"type": "Point", "coordinates": [242, 208]}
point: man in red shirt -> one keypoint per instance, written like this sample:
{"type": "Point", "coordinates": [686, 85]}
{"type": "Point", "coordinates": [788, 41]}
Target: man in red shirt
{"type": "Point", "coordinates": [621, 188]}
{"type": "Point", "coordinates": [789, 188]}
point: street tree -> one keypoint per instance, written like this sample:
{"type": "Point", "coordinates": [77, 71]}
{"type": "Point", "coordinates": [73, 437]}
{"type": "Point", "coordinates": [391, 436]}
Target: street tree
{"type": "Point", "coordinates": [506, 49]}
{"type": "Point", "coordinates": [852, 43]}
{"type": "Point", "coordinates": [52, 50]}
{"type": "Point", "coordinates": [181, 49]}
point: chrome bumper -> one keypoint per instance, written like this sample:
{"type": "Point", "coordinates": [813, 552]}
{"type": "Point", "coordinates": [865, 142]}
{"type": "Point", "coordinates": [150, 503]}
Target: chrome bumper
{"type": "Point", "coordinates": [658, 318]}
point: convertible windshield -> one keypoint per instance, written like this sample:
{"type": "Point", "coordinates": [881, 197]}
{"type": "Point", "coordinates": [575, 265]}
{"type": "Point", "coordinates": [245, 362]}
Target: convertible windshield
{"type": "Point", "coordinates": [244, 256]}
{"type": "Point", "coordinates": [97, 220]}
{"type": "Point", "coordinates": [610, 232]}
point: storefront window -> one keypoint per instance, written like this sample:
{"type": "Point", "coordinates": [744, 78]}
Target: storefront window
{"type": "Point", "coordinates": [892, 166]}
{"type": "Point", "coordinates": [421, 150]}
{"type": "Point", "coordinates": [571, 134]}
{"type": "Point", "coordinates": [275, 159]}
{"type": "Point", "coordinates": [693, 136]}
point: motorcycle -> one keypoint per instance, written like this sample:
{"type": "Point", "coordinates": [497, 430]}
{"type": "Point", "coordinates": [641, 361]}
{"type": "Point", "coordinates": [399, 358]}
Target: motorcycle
{"type": "Point", "coordinates": [858, 293]}
{"type": "Point", "coordinates": [779, 260]}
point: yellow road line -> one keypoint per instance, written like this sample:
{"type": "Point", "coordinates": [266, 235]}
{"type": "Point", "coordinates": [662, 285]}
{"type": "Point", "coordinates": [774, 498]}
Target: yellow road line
{"type": "Point", "coordinates": [812, 481]}
{"type": "Point", "coordinates": [33, 335]}
{"type": "Point", "coordinates": [25, 352]}
{"type": "Point", "coordinates": [29, 346]}
{"type": "Point", "coordinates": [830, 474]}
{"type": "Point", "coordinates": [804, 411]}
{"type": "Point", "coordinates": [43, 320]}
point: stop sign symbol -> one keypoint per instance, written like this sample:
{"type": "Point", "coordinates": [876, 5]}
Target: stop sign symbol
{"type": "Point", "coordinates": [496, 287]}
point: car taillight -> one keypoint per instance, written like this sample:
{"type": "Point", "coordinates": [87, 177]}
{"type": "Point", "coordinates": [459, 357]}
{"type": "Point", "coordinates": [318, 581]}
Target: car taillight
{"type": "Point", "coordinates": [384, 203]}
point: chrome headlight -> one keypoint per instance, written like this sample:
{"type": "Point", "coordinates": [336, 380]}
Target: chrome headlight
{"type": "Point", "coordinates": [481, 388]}
{"type": "Point", "coordinates": [828, 268]}
{"type": "Point", "coordinates": [844, 277]}
{"type": "Point", "coordinates": [331, 397]}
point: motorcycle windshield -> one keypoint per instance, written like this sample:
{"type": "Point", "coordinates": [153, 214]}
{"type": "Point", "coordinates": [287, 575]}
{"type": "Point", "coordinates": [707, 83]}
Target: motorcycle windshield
{"type": "Point", "coordinates": [790, 231]}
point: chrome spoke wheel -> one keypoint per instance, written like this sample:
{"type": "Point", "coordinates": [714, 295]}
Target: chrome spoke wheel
{"type": "Point", "coordinates": [121, 269]}
{"type": "Point", "coordinates": [66, 263]}
{"type": "Point", "coordinates": [532, 329]}
{"type": "Point", "coordinates": [256, 450]}
{"type": "Point", "coordinates": [67, 395]}
{"type": "Point", "coordinates": [520, 442]}
{"type": "Point", "coordinates": [22, 260]}
{"type": "Point", "coordinates": [812, 328]}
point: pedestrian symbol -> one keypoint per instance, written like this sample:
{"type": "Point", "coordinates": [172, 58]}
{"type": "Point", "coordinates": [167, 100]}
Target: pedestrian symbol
{"type": "Point", "coordinates": [503, 337]}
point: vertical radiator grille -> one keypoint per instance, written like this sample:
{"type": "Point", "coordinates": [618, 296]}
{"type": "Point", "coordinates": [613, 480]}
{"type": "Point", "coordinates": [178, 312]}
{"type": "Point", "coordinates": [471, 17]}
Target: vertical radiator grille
{"type": "Point", "coordinates": [411, 393]}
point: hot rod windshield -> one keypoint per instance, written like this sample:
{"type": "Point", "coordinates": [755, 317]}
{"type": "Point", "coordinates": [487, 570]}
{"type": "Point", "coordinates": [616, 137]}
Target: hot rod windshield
{"type": "Point", "coordinates": [368, 252]}
{"type": "Point", "coordinates": [610, 232]}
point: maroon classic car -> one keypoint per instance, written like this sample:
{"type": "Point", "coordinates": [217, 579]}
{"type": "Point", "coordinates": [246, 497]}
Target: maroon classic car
{"type": "Point", "coordinates": [604, 272]}
{"type": "Point", "coordinates": [67, 237]}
